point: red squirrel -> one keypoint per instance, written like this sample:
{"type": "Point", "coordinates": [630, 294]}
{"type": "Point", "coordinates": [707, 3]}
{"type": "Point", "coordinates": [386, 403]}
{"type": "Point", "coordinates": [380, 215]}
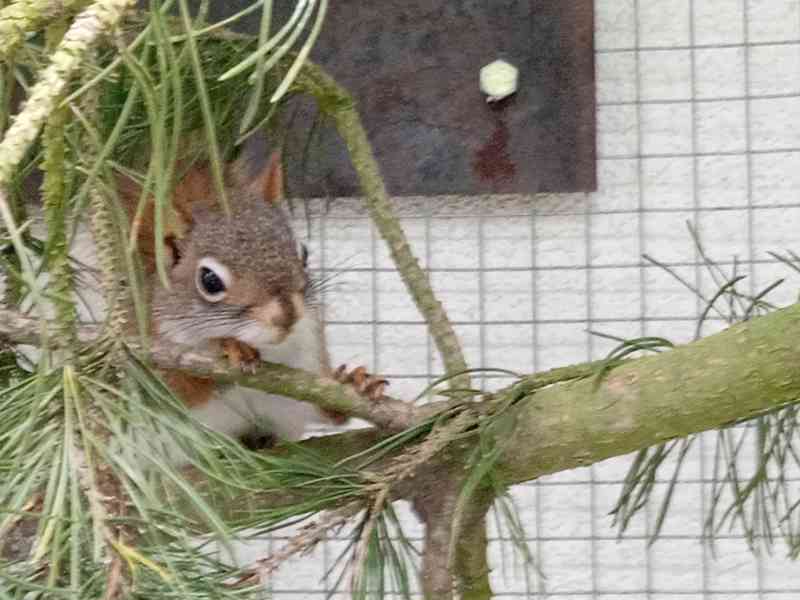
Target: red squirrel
{"type": "Point", "coordinates": [238, 284]}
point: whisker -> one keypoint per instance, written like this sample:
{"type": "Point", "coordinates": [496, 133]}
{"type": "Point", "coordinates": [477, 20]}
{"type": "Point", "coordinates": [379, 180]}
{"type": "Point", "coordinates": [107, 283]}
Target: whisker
{"type": "Point", "coordinates": [342, 263]}
{"type": "Point", "coordinates": [186, 325]}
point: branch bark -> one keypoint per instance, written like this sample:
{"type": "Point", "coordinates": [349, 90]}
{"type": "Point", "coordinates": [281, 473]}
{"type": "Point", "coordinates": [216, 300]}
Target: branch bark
{"type": "Point", "coordinates": [454, 560]}
{"type": "Point", "coordinates": [435, 507]}
{"type": "Point", "coordinates": [737, 374]}
{"type": "Point", "coordinates": [471, 565]}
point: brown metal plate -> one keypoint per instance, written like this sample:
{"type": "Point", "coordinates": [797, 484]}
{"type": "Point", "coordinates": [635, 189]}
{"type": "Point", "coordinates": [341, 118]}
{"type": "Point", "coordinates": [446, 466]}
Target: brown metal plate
{"type": "Point", "coordinates": [414, 68]}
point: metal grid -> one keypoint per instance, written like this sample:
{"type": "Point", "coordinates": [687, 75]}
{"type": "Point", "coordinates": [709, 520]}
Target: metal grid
{"type": "Point", "coordinates": [698, 119]}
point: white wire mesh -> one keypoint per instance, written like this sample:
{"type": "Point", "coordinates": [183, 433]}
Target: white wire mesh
{"type": "Point", "coordinates": [698, 120]}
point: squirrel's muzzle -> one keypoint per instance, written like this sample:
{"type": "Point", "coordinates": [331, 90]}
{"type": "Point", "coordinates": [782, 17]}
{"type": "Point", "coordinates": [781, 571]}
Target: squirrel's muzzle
{"type": "Point", "coordinates": [279, 314]}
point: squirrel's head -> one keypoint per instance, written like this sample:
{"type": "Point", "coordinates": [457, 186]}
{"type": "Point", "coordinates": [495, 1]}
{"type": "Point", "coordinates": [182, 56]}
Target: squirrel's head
{"type": "Point", "coordinates": [239, 276]}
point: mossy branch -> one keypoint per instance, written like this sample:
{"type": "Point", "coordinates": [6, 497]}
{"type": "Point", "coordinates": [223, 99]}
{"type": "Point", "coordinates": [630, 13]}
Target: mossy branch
{"type": "Point", "coordinates": [54, 194]}
{"type": "Point", "coordinates": [745, 371]}
{"type": "Point", "coordinates": [742, 372]}
{"type": "Point", "coordinates": [335, 102]}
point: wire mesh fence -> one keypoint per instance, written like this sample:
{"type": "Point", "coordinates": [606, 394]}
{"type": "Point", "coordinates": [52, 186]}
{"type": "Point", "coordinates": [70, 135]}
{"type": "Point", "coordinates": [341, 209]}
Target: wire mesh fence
{"type": "Point", "coordinates": [699, 122]}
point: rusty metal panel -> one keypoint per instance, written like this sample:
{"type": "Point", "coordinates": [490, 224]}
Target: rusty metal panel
{"type": "Point", "coordinates": [414, 68]}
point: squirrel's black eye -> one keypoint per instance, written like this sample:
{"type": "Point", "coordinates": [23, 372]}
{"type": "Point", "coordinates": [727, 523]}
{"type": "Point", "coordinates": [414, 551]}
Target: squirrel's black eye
{"type": "Point", "coordinates": [304, 254]}
{"type": "Point", "coordinates": [211, 282]}
{"type": "Point", "coordinates": [212, 279]}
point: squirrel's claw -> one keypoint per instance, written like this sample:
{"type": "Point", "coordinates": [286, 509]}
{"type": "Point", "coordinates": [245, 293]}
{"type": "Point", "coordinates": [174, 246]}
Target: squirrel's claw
{"type": "Point", "coordinates": [366, 384]}
{"type": "Point", "coordinates": [240, 355]}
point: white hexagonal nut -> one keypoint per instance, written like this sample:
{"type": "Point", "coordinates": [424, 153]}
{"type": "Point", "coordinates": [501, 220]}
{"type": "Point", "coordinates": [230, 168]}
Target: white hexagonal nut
{"type": "Point", "coordinates": [499, 80]}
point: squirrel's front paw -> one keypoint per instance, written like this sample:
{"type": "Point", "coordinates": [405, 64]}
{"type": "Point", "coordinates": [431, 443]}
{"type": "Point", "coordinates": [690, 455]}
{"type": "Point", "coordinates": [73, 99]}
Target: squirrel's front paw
{"type": "Point", "coordinates": [366, 384]}
{"type": "Point", "coordinates": [240, 355]}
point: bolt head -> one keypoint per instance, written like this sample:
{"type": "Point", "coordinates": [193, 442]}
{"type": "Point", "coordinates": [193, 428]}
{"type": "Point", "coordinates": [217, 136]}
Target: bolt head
{"type": "Point", "coordinates": [499, 80]}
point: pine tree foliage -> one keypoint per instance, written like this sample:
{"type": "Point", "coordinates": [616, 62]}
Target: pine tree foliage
{"type": "Point", "coordinates": [91, 506]}
{"type": "Point", "coordinates": [751, 487]}
{"type": "Point", "coordinates": [88, 431]}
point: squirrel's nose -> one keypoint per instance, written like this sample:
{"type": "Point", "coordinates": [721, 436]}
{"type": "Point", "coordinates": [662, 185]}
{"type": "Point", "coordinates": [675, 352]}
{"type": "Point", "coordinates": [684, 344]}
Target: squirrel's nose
{"type": "Point", "coordinates": [281, 311]}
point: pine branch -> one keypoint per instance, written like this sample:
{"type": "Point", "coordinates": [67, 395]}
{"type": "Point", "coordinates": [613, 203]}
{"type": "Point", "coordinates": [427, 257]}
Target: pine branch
{"type": "Point", "coordinates": [336, 102]}
{"type": "Point", "coordinates": [561, 419]}
{"type": "Point", "coordinates": [24, 16]}
{"type": "Point", "coordinates": [97, 20]}
{"type": "Point", "coordinates": [385, 412]}
{"type": "Point", "coordinates": [742, 372]}
{"type": "Point", "coordinates": [738, 374]}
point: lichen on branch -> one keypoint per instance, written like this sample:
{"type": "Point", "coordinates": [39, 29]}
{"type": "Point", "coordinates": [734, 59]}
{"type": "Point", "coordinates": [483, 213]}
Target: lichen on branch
{"type": "Point", "coordinates": [23, 16]}
{"type": "Point", "coordinates": [97, 20]}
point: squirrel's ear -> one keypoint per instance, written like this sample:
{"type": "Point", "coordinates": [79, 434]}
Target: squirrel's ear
{"type": "Point", "coordinates": [270, 180]}
{"type": "Point", "coordinates": [268, 183]}
{"type": "Point", "coordinates": [173, 248]}
{"type": "Point", "coordinates": [142, 222]}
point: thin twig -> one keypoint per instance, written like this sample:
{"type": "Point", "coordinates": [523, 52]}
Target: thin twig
{"type": "Point", "coordinates": [385, 412]}
{"type": "Point", "coordinates": [114, 579]}
{"type": "Point", "coordinates": [301, 543]}
{"type": "Point", "coordinates": [333, 100]}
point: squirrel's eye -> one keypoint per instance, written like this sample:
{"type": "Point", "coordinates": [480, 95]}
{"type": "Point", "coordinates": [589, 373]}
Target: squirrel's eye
{"type": "Point", "coordinates": [212, 280]}
{"type": "Point", "coordinates": [304, 254]}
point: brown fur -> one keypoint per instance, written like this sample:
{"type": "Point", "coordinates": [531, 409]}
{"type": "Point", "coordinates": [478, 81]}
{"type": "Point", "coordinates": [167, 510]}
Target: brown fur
{"type": "Point", "coordinates": [196, 188]}
{"type": "Point", "coordinates": [193, 391]}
